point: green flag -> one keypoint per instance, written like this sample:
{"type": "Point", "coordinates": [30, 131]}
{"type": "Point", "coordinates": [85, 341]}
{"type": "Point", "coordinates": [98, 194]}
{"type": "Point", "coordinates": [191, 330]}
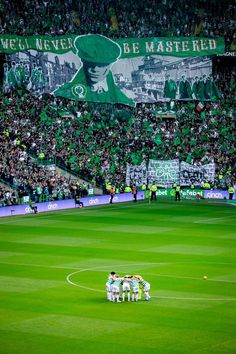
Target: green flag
{"type": "Point", "coordinates": [158, 139]}
{"type": "Point", "coordinates": [72, 159]}
{"type": "Point", "coordinates": [136, 158]}
{"type": "Point", "coordinates": [43, 116]}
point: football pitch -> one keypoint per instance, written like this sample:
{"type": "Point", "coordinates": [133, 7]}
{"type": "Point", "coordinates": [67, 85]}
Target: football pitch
{"type": "Point", "coordinates": [54, 267]}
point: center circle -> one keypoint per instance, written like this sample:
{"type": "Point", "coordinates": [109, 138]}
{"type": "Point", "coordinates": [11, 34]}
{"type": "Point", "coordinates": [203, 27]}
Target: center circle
{"type": "Point", "coordinates": [68, 279]}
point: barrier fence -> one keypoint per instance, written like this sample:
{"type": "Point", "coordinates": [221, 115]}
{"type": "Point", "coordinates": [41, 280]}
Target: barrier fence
{"type": "Point", "coordinates": [165, 193]}
{"type": "Point", "coordinates": [67, 204]}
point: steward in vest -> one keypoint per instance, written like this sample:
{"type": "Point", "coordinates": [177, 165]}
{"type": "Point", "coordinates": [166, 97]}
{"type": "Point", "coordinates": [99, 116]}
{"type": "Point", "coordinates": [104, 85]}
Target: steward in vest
{"type": "Point", "coordinates": [206, 185]}
{"type": "Point", "coordinates": [128, 189]}
{"type": "Point", "coordinates": [143, 187]}
{"type": "Point", "coordinates": [79, 188]}
{"type": "Point", "coordinates": [108, 186]}
{"type": "Point", "coordinates": [177, 192]}
{"type": "Point", "coordinates": [231, 191]}
{"type": "Point", "coordinates": [153, 191]}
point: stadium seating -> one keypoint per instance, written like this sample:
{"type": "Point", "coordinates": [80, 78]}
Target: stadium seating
{"type": "Point", "coordinates": [78, 142]}
{"type": "Point", "coordinates": [114, 19]}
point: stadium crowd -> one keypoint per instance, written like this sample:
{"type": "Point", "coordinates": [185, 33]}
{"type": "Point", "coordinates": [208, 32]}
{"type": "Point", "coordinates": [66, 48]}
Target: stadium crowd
{"type": "Point", "coordinates": [97, 141]}
{"type": "Point", "coordinates": [207, 18]}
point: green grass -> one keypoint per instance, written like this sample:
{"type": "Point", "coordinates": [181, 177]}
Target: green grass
{"type": "Point", "coordinates": [171, 245]}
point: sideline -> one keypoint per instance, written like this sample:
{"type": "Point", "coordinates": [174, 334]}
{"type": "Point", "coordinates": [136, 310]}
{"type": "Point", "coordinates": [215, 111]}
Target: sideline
{"type": "Point", "coordinates": [81, 212]}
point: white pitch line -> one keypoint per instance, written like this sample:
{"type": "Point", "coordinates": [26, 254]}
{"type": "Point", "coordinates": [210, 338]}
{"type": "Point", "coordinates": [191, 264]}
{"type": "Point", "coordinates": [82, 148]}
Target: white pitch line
{"type": "Point", "coordinates": [79, 270]}
{"type": "Point", "coordinates": [203, 221]}
{"type": "Point", "coordinates": [192, 278]}
{"type": "Point", "coordinates": [120, 265]}
{"type": "Point", "coordinates": [158, 297]}
{"type": "Point", "coordinates": [194, 298]}
{"type": "Point", "coordinates": [39, 265]}
{"type": "Point", "coordinates": [179, 276]}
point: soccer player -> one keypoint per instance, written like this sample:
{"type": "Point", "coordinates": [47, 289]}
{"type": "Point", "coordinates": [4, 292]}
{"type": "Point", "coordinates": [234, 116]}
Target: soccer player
{"type": "Point", "coordinates": [126, 287]}
{"type": "Point", "coordinates": [115, 288]}
{"type": "Point", "coordinates": [146, 288]}
{"type": "Point", "coordinates": [109, 284]}
{"type": "Point", "coordinates": [140, 290]}
{"type": "Point", "coordinates": [135, 288]}
{"type": "Point", "coordinates": [138, 276]}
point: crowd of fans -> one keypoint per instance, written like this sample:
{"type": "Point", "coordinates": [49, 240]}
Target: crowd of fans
{"type": "Point", "coordinates": [18, 169]}
{"type": "Point", "coordinates": [97, 141]}
{"type": "Point", "coordinates": [208, 18]}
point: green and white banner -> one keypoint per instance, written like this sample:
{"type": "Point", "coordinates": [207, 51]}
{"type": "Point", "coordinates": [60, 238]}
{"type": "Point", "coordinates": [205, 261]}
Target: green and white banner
{"type": "Point", "coordinates": [196, 174]}
{"type": "Point", "coordinates": [165, 173]}
{"type": "Point", "coordinates": [130, 47]}
{"type": "Point", "coordinates": [137, 174]}
{"type": "Point", "coordinates": [97, 69]}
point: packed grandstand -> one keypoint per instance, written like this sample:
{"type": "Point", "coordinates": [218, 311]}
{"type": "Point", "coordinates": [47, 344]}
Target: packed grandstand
{"type": "Point", "coordinates": [62, 129]}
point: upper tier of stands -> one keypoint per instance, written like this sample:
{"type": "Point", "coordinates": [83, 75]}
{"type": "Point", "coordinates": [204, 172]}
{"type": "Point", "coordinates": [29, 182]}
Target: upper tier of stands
{"type": "Point", "coordinates": [118, 18]}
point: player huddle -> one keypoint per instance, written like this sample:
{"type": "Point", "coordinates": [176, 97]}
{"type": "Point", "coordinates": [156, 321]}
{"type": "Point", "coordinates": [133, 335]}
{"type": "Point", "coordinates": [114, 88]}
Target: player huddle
{"type": "Point", "coordinates": [129, 286]}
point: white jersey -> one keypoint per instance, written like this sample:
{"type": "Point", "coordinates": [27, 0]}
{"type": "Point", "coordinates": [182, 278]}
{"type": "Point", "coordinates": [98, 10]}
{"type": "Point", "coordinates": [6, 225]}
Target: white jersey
{"type": "Point", "coordinates": [135, 286]}
{"type": "Point", "coordinates": [126, 284]}
{"type": "Point", "coordinates": [115, 287]}
{"type": "Point", "coordinates": [145, 284]}
{"type": "Point", "coordinates": [109, 283]}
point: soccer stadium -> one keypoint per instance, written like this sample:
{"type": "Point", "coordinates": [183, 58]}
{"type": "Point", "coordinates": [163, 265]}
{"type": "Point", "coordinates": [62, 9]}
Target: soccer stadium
{"type": "Point", "coordinates": [117, 177]}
